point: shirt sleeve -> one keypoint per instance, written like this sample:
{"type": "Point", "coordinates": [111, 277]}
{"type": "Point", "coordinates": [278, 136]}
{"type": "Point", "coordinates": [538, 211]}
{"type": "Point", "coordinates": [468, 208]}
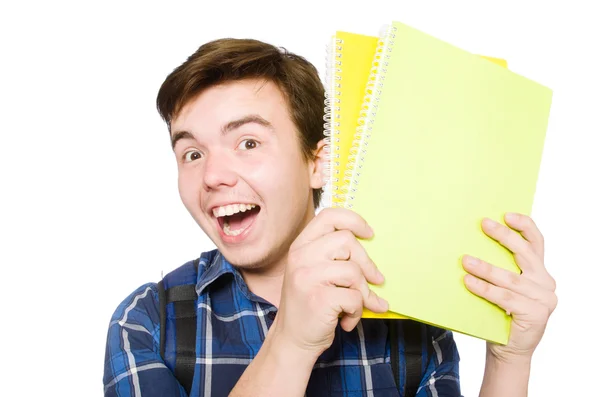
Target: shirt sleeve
{"type": "Point", "coordinates": [133, 365]}
{"type": "Point", "coordinates": [442, 376]}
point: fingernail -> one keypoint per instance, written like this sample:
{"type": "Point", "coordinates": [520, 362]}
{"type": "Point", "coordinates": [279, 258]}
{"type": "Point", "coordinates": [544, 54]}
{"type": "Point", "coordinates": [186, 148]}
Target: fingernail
{"type": "Point", "coordinates": [380, 275]}
{"type": "Point", "coordinates": [487, 222]}
{"type": "Point", "coordinates": [471, 261]}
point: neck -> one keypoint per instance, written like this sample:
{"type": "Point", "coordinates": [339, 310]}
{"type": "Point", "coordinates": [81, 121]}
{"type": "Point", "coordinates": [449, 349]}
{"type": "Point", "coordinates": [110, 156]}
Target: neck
{"type": "Point", "coordinates": [266, 282]}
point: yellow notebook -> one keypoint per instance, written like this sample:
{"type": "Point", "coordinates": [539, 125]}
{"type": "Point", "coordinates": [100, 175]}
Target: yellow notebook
{"type": "Point", "coordinates": [446, 139]}
{"type": "Point", "coordinates": [349, 64]}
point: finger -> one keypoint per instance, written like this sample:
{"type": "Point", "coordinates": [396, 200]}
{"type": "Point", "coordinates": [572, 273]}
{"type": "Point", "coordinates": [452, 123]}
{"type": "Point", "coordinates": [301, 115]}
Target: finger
{"type": "Point", "coordinates": [509, 301]}
{"type": "Point", "coordinates": [512, 281]}
{"type": "Point", "coordinates": [344, 246]}
{"type": "Point", "coordinates": [350, 304]}
{"type": "Point", "coordinates": [528, 229]}
{"type": "Point", "coordinates": [347, 302]}
{"type": "Point", "coordinates": [524, 255]}
{"type": "Point", "coordinates": [341, 245]}
{"type": "Point", "coordinates": [349, 275]}
{"type": "Point", "coordinates": [331, 219]}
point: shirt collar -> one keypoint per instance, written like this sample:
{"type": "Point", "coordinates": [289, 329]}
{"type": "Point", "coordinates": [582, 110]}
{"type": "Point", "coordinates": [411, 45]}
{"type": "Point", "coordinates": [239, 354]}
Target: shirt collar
{"type": "Point", "coordinates": [213, 266]}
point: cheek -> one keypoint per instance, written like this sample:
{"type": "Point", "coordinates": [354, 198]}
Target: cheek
{"type": "Point", "coordinates": [278, 176]}
{"type": "Point", "coordinates": [188, 190]}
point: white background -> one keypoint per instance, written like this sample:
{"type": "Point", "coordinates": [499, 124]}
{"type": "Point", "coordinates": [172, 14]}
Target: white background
{"type": "Point", "coordinates": [89, 206]}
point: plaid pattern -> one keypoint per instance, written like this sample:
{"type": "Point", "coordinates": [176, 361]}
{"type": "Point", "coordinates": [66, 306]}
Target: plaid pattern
{"type": "Point", "coordinates": [232, 324]}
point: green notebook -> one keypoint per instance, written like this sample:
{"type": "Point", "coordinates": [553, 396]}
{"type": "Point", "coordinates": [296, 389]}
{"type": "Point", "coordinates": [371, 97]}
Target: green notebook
{"type": "Point", "coordinates": [447, 138]}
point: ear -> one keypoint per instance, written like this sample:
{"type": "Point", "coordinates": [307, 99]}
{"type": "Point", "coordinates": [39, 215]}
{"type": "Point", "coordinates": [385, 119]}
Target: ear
{"type": "Point", "coordinates": [319, 165]}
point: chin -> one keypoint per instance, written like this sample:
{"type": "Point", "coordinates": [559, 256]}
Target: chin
{"type": "Point", "coordinates": [245, 237]}
{"type": "Point", "coordinates": [263, 252]}
{"type": "Point", "coordinates": [248, 258]}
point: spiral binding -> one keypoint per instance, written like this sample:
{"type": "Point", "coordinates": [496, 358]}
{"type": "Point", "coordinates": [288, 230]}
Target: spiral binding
{"type": "Point", "coordinates": [367, 114]}
{"type": "Point", "coordinates": [333, 84]}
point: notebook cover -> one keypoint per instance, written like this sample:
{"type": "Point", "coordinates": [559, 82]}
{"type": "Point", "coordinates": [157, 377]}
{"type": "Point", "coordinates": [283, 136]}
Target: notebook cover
{"type": "Point", "coordinates": [350, 60]}
{"type": "Point", "coordinates": [453, 138]}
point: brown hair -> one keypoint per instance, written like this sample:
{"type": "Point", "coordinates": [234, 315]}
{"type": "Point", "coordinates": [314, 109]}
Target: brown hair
{"type": "Point", "coordinates": [224, 60]}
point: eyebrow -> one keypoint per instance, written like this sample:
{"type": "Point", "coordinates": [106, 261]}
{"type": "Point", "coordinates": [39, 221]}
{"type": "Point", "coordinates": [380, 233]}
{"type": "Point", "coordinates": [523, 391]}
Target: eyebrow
{"type": "Point", "coordinates": [230, 126]}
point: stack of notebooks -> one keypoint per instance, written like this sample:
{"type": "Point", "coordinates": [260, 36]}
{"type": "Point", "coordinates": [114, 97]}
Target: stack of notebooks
{"type": "Point", "coordinates": [425, 140]}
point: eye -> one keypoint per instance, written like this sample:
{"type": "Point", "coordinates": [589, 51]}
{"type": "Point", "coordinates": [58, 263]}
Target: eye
{"type": "Point", "coordinates": [192, 155]}
{"type": "Point", "coordinates": [248, 144]}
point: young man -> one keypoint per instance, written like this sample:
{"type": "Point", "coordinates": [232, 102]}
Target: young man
{"type": "Point", "coordinates": [246, 126]}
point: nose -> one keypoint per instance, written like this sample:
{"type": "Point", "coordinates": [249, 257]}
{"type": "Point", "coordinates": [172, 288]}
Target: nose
{"type": "Point", "coordinates": [219, 171]}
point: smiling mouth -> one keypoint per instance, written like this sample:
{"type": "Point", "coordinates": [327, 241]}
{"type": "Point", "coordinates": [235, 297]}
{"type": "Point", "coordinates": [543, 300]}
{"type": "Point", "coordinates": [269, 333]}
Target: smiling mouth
{"type": "Point", "coordinates": [234, 219]}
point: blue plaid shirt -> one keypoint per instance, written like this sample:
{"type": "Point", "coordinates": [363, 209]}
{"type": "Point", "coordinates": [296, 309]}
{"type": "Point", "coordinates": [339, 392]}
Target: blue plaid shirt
{"type": "Point", "coordinates": [232, 324]}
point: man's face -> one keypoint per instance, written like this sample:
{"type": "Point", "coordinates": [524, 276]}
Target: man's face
{"type": "Point", "coordinates": [242, 175]}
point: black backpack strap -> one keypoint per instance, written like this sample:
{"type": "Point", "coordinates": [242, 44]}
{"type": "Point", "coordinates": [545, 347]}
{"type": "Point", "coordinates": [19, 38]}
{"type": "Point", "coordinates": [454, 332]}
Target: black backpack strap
{"type": "Point", "coordinates": [183, 297]}
{"type": "Point", "coordinates": [394, 358]}
{"type": "Point", "coordinates": [414, 356]}
{"type": "Point", "coordinates": [162, 306]}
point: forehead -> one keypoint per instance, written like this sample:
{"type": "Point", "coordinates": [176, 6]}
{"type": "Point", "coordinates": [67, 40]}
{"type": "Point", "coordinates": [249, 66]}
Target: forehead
{"type": "Point", "coordinates": [222, 103]}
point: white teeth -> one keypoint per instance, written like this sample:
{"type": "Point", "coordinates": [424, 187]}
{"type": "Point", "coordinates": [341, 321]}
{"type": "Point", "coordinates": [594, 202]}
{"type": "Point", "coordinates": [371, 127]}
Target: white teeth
{"type": "Point", "coordinates": [228, 210]}
{"type": "Point", "coordinates": [230, 232]}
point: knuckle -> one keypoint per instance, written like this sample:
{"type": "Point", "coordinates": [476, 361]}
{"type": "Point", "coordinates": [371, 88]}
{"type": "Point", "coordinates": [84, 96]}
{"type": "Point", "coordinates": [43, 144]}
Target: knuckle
{"type": "Point", "coordinates": [344, 239]}
{"type": "Point", "coordinates": [507, 296]}
{"type": "Point", "coordinates": [483, 286]}
{"type": "Point", "coordinates": [342, 253]}
{"type": "Point", "coordinates": [325, 213]}
{"type": "Point", "coordinates": [346, 236]}
{"type": "Point", "coordinates": [553, 303]}
{"type": "Point", "coordinates": [486, 270]}
{"type": "Point", "coordinates": [351, 277]}
{"type": "Point", "coordinates": [325, 216]}
{"type": "Point", "coordinates": [519, 258]}
{"type": "Point", "coordinates": [514, 279]}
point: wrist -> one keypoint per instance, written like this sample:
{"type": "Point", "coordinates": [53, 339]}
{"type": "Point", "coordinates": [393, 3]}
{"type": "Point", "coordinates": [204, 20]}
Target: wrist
{"type": "Point", "coordinates": [286, 353]}
{"type": "Point", "coordinates": [508, 359]}
{"type": "Point", "coordinates": [279, 368]}
{"type": "Point", "coordinates": [505, 375]}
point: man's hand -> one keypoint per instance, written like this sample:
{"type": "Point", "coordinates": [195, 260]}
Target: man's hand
{"type": "Point", "coordinates": [530, 296]}
{"type": "Point", "coordinates": [326, 277]}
